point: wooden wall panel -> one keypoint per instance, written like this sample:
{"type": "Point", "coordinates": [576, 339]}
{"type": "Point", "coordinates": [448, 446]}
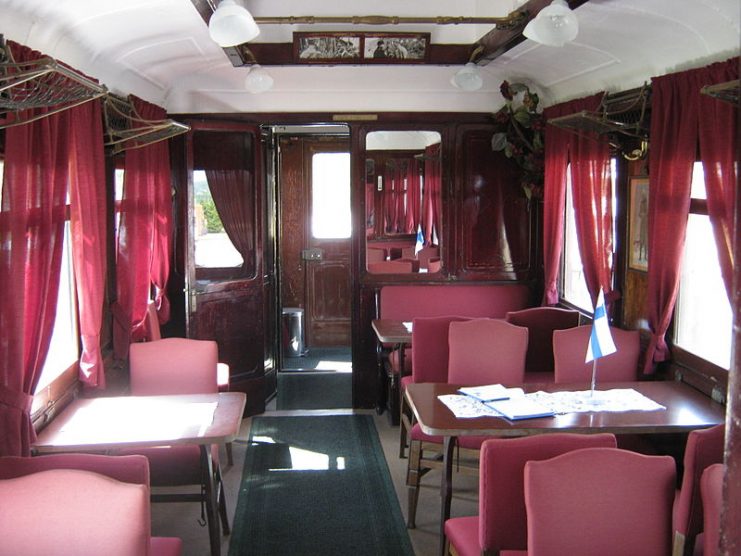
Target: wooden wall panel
{"type": "Point", "coordinates": [292, 200]}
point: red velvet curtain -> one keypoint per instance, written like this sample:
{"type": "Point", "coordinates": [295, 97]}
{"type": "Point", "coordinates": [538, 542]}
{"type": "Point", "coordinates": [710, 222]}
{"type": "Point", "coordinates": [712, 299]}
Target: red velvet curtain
{"type": "Point", "coordinates": [233, 194]}
{"type": "Point", "coordinates": [413, 198]}
{"type": "Point", "coordinates": [389, 206]}
{"type": "Point", "coordinates": [718, 129]}
{"type": "Point", "coordinates": [88, 226]}
{"type": "Point", "coordinates": [676, 106]}
{"type": "Point", "coordinates": [560, 145]}
{"type": "Point", "coordinates": [591, 188]}
{"type": "Point", "coordinates": [157, 156]}
{"type": "Point", "coordinates": [33, 216]}
{"type": "Point", "coordinates": [432, 204]}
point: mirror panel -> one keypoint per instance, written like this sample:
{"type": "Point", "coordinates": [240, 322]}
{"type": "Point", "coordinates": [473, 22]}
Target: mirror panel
{"type": "Point", "coordinates": [403, 186]}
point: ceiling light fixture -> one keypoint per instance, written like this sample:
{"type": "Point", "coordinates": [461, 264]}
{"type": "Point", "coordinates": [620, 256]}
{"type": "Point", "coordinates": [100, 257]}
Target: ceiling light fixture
{"type": "Point", "coordinates": [258, 80]}
{"type": "Point", "coordinates": [231, 24]}
{"type": "Point", "coordinates": [555, 25]}
{"type": "Point", "coordinates": [469, 77]}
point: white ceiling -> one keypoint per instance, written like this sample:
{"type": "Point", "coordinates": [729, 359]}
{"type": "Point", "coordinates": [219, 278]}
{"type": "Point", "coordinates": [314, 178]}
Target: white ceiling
{"type": "Point", "coordinates": [160, 50]}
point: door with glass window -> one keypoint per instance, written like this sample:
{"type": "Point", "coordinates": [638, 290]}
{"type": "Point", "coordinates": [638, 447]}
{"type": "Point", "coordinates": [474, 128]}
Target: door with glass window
{"type": "Point", "coordinates": [315, 235]}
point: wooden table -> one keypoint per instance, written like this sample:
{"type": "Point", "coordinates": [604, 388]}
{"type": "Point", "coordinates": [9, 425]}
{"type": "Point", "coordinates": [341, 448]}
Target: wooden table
{"type": "Point", "coordinates": [390, 331]}
{"type": "Point", "coordinates": [686, 409]}
{"type": "Point", "coordinates": [132, 422]}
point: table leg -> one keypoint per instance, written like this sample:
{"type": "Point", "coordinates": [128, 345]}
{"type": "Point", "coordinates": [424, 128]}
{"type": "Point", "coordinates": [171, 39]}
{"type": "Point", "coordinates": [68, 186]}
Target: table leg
{"type": "Point", "coordinates": [446, 487]}
{"type": "Point", "coordinates": [212, 515]}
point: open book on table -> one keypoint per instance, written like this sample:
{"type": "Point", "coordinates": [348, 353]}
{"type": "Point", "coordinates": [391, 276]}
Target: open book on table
{"type": "Point", "coordinates": [491, 392]}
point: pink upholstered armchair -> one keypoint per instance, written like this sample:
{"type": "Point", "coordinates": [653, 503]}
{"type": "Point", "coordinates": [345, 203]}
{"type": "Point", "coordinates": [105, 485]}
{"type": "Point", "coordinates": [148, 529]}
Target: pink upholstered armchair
{"type": "Point", "coordinates": [711, 488]}
{"type": "Point", "coordinates": [502, 522]}
{"type": "Point", "coordinates": [704, 448]}
{"type": "Point", "coordinates": [104, 507]}
{"type": "Point", "coordinates": [540, 323]}
{"type": "Point", "coordinates": [481, 351]}
{"type": "Point", "coordinates": [570, 348]}
{"type": "Point", "coordinates": [180, 366]}
{"type": "Point", "coordinates": [599, 501]}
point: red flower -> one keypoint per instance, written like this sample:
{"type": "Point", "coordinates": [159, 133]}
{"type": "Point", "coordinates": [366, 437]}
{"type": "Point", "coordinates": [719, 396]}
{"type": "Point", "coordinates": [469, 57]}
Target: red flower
{"type": "Point", "coordinates": [506, 91]}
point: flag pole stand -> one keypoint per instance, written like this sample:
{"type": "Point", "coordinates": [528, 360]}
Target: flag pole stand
{"type": "Point", "coordinates": [592, 400]}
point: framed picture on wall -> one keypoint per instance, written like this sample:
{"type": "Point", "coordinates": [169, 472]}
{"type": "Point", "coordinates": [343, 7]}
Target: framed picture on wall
{"type": "Point", "coordinates": [638, 224]}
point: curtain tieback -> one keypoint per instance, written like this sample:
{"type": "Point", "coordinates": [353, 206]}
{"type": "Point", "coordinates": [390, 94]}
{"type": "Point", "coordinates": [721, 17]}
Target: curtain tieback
{"type": "Point", "coordinates": [15, 399]}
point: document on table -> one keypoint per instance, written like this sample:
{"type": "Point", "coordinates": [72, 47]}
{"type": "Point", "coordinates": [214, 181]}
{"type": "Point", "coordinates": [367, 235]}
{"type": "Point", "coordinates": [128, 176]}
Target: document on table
{"type": "Point", "coordinates": [491, 392]}
{"type": "Point", "coordinates": [518, 408]}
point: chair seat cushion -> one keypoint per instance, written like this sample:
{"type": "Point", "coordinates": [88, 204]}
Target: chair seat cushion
{"type": "Point", "coordinates": [470, 442]}
{"type": "Point", "coordinates": [463, 534]}
{"type": "Point", "coordinates": [539, 376]}
{"type": "Point", "coordinates": [405, 380]}
{"type": "Point", "coordinates": [394, 362]}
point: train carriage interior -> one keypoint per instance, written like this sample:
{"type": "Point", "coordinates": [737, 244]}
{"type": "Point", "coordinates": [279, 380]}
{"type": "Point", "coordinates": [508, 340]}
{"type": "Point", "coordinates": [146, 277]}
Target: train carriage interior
{"type": "Point", "coordinates": [305, 198]}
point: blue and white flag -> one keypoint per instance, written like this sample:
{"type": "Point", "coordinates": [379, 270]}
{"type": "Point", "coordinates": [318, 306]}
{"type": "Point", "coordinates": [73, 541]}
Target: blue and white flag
{"type": "Point", "coordinates": [420, 240]}
{"type": "Point", "coordinates": [600, 341]}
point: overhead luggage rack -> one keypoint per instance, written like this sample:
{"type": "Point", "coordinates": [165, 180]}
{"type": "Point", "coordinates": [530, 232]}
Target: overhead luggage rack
{"type": "Point", "coordinates": [126, 129]}
{"type": "Point", "coordinates": [727, 92]}
{"type": "Point", "coordinates": [622, 117]}
{"type": "Point", "coordinates": [41, 83]}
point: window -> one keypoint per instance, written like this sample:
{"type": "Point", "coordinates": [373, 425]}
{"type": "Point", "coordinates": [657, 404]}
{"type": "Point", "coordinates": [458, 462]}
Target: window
{"type": "Point", "coordinates": [214, 249]}
{"type": "Point", "coordinates": [702, 316]}
{"type": "Point", "coordinates": [574, 285]}
{"type": "Point", "coordinates": [330, 196]}
{"type": "Point", "coordinates": [63, 349]}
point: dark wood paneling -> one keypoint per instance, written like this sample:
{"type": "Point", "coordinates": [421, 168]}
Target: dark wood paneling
{"type": "Point", "coordinates": [291, 237]}
{"type": "Point", "coordinates": [494, 228]}
{"type": "Point", "coordinates": [328, 289]}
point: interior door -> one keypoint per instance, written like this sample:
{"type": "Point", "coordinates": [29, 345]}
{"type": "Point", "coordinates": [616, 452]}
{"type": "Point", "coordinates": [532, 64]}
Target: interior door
{"type": "Point", "coordinates": [315, 232]}
{"type": "Point", "coordinates": [225, 282]}
{"type": "Point", "coordinates": [327, 260]}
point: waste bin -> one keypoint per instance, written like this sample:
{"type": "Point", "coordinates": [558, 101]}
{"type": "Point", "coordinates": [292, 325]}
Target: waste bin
{"type": "Point", "coordinates": [293, 332]}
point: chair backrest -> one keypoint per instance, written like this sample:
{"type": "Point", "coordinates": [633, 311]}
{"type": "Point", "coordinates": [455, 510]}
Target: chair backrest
{"type": "Point", "coordinates": [427, 253]}
{"type": "Point", "coordinates": [704, 448]}
{"type": "Point", "coordinates": [375, 255]}
{"type": "Point", "coordinates": [128, 469]}
{"type": "Point", "coordinates": [502, 517]}
{"type": "Point", "coordinates": [173, 366]}
{"type": "Point", "coordinates": [570, 350]}
{"type": "Point", "coordinates": [486, 351]}
{"type": "Point", "coordinates": [430, 348]}
{"type": "Point", "coordinates": [599, 501]}
{"type": "Point", "coordinates": [434, 264]}
{"type": "Point", "coordinates": [89, 514]}
{"type": "Point", "coordinates": [540, 323]}
{"type": "Point", "coordinates": [711, 487]}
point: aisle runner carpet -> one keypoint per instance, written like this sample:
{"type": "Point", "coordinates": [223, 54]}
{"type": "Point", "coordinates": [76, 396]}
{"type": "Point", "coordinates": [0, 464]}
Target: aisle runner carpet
{"type": "Point", "coordinates": [317, 485]}
{"type": "Point", "coordinates": [314, 390]}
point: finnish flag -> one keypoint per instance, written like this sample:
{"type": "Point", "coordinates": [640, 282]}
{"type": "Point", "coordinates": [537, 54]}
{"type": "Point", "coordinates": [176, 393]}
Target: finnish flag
{"type": "Point", "coordinates": [420, 240]}
{"type": "Point", "coordinates": [600, 341]}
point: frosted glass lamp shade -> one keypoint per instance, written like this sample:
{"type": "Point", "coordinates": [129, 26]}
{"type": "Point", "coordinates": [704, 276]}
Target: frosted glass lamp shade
{"type": "Point", "coordinates": [231, 24]}
{"type": "Point", "coordinates": [555, 25]}
{"type": "Point", "coordinates": [258, 80]}
{"type": "Point", "coordinates": [468, 78]}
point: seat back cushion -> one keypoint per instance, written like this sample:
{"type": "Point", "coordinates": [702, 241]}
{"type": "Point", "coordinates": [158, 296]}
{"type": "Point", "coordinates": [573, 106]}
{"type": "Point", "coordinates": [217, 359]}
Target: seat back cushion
{"type": "Point", "coordinates": [430, 348]}
{"type": "Point", "coordinates": [540, 323]}
{"type": "Point", "coordinates": [129, 469]}
{"type": "Point", "coordinates": [69, 512]}
{"type": "Point", "coordinates": [570, 349]}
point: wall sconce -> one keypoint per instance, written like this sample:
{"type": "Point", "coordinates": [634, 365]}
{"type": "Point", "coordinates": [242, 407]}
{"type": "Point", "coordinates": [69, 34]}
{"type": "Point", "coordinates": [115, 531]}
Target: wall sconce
{"type": "Point", "coordinates": [555, 25]}
{"type": "Point", "coordinates": [258, 80]}
{"type": "Point", "coordinates": [231, 24]}
{"type": "Point", "coordinates": [469, 77]}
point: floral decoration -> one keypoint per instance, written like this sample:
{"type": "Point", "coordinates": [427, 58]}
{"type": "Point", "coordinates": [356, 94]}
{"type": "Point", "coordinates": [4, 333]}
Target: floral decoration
{"type": "Point", "coordinates": [521, 135]}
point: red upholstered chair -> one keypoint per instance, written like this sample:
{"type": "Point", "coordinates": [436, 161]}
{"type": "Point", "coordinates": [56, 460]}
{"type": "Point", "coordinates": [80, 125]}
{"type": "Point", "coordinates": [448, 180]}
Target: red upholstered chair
{"type": "Point", "coordinates": [704, 448]}
{"type": "Point", "coordinates": [481, 351]}
{"type": "Point", "coordinates": [434, 265]}
{"type": "Point", "coordinates": [222, 369]}
{"type": "Point", "coordinates": [374, 255]}
{"type": "Point", "coordinates": [570, 350]}
{"type": "Point", "coordinates": [427, 253]}
{"type": "Point", "coordinates": [179, 366]}
{"type": "Point", "coordinates": [540, 323]}
{"type": "Point", "coordinates": [104, 506]}
{"type": "Point", "coordinates": [599, 501]}
{"type": "Point", "coordinates": [711, 488]}
{"type": "Point", "coordinates": [502, 523]}
{"type": "Point", "coordinates": [429, 362]}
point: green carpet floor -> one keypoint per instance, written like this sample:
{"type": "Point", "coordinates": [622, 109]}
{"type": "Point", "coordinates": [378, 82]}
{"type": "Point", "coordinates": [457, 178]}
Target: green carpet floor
{"type": "Point", "coordinates": [314, 390]}
{"type": "Point", "coordinates": [317, 485]}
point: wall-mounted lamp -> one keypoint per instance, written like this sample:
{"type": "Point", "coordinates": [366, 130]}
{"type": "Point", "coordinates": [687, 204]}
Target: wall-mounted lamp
{"type": "Point", "coordinates": [231, 24]}
{"type": "Point", "coordinates": [258, 80]}
{"type": "Point", "coordinates": [555, 25]}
